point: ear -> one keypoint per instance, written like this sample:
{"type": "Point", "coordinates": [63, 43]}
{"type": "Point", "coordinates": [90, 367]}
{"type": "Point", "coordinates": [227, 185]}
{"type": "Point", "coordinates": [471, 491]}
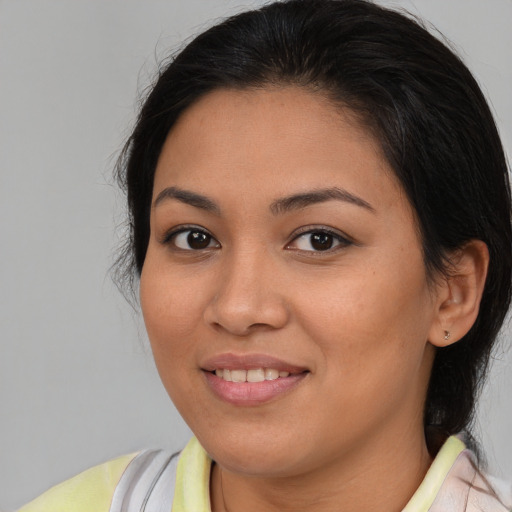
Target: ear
{"type": "Point", "coordinates": [459, 294]}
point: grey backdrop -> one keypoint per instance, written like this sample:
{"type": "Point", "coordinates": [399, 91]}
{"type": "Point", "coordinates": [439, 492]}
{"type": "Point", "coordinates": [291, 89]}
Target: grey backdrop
{"type": "Point", "coordinates": [78, 385]}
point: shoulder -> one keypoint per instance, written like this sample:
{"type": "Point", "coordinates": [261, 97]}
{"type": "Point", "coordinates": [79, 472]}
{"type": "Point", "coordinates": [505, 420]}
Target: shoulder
{"type": "Point", "coordinates": [91, 490]}
{"type": "Point", "coordinates": [145, 480]}
{"type": "Point", "coordinates": [468, 488]}
{"type": "Point", "coordinates": [489, 494]}
{"type": "Point", "coordinates": [456, 483]}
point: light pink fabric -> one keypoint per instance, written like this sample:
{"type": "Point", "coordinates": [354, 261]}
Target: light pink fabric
{"type": "Point", "coordinates": [466, 489]}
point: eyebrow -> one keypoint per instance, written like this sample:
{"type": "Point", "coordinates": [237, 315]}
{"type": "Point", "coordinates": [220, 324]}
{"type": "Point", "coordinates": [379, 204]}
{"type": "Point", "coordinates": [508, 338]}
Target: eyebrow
{"type": "Point", "coordinates": [303, 200]}
{"type": "Point", "coordinates": [187, 197]}
{"type": "Point", "coordinates": [278, 207]}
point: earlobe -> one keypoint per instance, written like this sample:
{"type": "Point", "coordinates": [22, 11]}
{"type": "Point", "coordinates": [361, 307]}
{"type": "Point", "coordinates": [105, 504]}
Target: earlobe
{"type": "Point", "coordinates": [459, 294]}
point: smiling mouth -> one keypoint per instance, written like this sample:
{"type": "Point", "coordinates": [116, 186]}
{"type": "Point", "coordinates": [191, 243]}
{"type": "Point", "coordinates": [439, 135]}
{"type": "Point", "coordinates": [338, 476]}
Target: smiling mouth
{"type": "Point", "coordinates": [251, 379]}
{"type": "Point", "coordinates": [254, 386]}
{"type": "Point", "coordinates": [252, 375]}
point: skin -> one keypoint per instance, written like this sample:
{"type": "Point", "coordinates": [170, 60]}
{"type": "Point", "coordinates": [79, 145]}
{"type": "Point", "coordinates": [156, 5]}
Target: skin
{"type": "Point", "coordinates": [361, 317]}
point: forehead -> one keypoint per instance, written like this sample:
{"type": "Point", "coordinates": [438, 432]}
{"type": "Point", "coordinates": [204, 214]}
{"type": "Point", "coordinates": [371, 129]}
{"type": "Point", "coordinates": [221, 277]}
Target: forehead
{"type": "Point", "coordinates": [276, 140]}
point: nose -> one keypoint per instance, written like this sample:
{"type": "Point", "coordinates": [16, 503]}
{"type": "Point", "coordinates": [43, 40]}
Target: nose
{"type": "Point", "coordinates": [249, 296]}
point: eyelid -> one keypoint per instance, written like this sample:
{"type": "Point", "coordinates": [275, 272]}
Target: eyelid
{"type": "Point", "coordinates": [343, 239]}
{"type": "Point", "coordinates": [168, 236]}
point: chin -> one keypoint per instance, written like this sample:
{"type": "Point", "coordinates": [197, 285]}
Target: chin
{"type": "Point", "coordinates": [257, 454]}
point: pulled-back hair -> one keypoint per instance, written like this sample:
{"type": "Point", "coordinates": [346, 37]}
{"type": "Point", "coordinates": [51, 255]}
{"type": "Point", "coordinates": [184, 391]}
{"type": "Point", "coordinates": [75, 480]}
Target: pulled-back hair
{"type": "Point", "coordinates": [420, 102]}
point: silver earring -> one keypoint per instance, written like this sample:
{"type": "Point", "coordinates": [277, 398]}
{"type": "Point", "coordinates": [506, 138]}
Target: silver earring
{"type": "Point", "coordinates": [447, 335]}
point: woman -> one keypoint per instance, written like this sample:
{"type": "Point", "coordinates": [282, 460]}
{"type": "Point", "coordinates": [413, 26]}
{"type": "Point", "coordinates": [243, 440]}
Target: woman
{"type": "Point", "coordinates": [320, 221]}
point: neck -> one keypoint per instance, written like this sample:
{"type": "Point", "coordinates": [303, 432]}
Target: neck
{"type": "Point", "coordinates": [377, 476]}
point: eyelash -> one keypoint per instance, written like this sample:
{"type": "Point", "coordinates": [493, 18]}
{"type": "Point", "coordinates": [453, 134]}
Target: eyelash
{"type": "Point", "coordinates": [343, 240]}
{"type": "Point", "coordinates": [171, 236]}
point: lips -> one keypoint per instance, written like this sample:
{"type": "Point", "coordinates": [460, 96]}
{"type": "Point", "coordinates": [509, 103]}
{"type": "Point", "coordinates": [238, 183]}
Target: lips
{"type": "Point", "coordinates": [251, 379]}
{"type": "Point", "coordinates": [249, 362]}
{"type": "Point", "coordinates": [252, 375]}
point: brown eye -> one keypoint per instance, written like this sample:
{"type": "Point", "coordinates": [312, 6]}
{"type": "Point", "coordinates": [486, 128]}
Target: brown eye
{"type": "Point", "coordinates": [321, 241]}
{"type": "Point", "coordinates": [192, 240]}
{"type": "Point", "coordinates": [198, 240]}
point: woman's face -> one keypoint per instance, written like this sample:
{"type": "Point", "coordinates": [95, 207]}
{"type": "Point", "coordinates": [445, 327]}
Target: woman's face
{"type": "Point", "coordinates": [284, 252]}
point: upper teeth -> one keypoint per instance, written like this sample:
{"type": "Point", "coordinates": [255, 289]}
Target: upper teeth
{"type": "Point", "coordinates": [256, 375]}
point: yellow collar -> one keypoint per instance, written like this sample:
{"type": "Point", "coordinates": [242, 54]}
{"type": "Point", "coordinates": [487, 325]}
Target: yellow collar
{"type": "Point", "coordinates": [192, 490]}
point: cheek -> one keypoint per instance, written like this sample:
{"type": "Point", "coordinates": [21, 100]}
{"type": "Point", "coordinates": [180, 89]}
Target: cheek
{"type": "Point", "coordinates": [171, 309]}
{"type": "Point", "coordinates": [379, 313]}
{"type": "Point", "coordinates": [372, 334]}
